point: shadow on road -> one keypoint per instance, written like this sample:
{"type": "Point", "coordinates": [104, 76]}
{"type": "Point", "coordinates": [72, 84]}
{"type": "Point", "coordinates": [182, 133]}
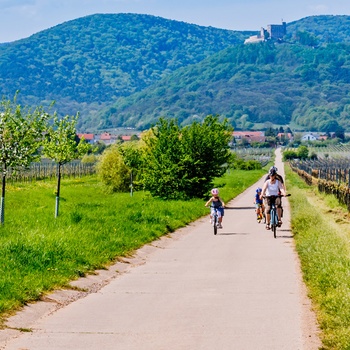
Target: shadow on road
{"type": "Point", "coordinates": [232, 234]}
{"type": "Point", "coordinates": [239, 208]}
{"type": "Point", "coordinates": [285, 235]}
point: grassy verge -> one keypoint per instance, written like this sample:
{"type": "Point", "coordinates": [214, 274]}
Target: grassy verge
{"type": "Point", "coordinates": [39, 253]}
{"type": "Point", "coordinates": [322, 235]}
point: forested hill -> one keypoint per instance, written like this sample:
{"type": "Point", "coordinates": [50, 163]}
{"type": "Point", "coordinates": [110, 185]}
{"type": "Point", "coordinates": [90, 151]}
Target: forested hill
{"type": "Point", "coordinates": [307, 87]}
{"type": "Point", "coordinates": [129, 69]}
{"type": "Point", "coordinates": [325, 29]}
{"type": "Point", "coordinates": [88, 62]}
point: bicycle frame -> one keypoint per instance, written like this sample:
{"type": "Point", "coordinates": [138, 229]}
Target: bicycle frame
{"type": "Point", "coordinates": [215, 219]}
{"type": "Point", "coordinates": [273, 219]}
{"type": "Point", "coordinates": [274, 216]}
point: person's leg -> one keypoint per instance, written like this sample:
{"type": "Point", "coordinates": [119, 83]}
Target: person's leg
{"type": "Point", "coordinates": [268, 212]}
{"type": "Point", "coordinates": [279, 210]}
{"type": "Point", "coordinates": [220, 216]}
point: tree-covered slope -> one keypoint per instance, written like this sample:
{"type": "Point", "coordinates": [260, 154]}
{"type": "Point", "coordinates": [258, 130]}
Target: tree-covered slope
{"type": "Point", "coordinates": [326, 29]}
{"type": "Point", "coordinates": [85, 63]}
{"type": "Point", "coordinates": [129, 69]}
{"type": "Point", "coordinates": [256, 83]}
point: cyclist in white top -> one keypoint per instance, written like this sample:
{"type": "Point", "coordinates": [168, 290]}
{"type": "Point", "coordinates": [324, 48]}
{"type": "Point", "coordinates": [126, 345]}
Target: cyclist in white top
{"type": "Point", "coordinates": [271, 191]}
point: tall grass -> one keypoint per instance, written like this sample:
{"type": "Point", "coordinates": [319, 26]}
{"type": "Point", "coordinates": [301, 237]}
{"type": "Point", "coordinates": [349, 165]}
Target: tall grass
{"type": "Point", "coordinates": [323, 244]}
{"type": "Point", "coordinates": [39, 253]}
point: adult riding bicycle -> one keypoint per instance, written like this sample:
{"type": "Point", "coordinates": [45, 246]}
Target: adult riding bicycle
{"type": "Point", "coordinates": [274, 219]}
{"type": "Point", "coordinates": [272, 191]}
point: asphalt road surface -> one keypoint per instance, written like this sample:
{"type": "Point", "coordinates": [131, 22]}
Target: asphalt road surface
{"type": "Point", "coordinates": [240, 289]}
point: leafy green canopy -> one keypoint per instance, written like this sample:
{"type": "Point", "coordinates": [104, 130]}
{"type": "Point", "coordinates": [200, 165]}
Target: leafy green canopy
{"type": "Point", "coordinates": [20, 134]}
{"type": "Point", "coordinates": [60, 143]}
{"type": "Point", "coordinates": [182, 162]}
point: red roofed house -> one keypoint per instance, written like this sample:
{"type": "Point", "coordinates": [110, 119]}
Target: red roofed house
{"type": "Point", "coordinates": [250, 136]}
{"type": "Point", "coordinates": [126, 137]}
{"type": "Point", "coordinates": [107, 138]}
{"type": "Point", "coordinates": [89, 138]}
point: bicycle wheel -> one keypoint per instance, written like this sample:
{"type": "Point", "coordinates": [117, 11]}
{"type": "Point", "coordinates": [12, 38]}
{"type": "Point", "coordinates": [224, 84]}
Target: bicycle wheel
{"type": "Point", "coordinates": [273, 227]}
{"type": "Point", "coordinates": [215, 222]}
{"type": "Point", "coordinates": [274, 221]}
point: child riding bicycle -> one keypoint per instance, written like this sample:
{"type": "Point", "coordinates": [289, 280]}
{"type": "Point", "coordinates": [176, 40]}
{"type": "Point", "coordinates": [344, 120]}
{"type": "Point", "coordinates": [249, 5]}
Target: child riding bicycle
{"type": "Point", "coordinates": [259, 205]}
{"type": "Point", "coordinates": [216, 203]}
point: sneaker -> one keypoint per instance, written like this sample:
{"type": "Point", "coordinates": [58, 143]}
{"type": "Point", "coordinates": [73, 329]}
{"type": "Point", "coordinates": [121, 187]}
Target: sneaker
{"type": "Point", "coordinates": [219, 226]}
{"type": "Point", "coordinates": [268, 227]}
{"type": "Point", "coordinates": [279, 223]}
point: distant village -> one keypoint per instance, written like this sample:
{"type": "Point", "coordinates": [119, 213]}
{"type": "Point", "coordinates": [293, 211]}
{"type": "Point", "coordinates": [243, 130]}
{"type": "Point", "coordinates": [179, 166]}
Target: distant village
{"type": "Point", "coordinates": [107, 138]}
{"type": "Point", "coordinates": [249, 137]}
{"type": "Point", "coordinates": [246, 137]}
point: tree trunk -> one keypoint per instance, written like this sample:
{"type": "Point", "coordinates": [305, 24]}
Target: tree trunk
{"type": "Point", "coordinates": [59, 166]}
{"type": "Point", "coordinates": [2, 203]}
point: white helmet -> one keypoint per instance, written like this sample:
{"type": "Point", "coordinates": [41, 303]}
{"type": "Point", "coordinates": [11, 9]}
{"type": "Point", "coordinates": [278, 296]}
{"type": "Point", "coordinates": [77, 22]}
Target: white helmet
{"type": "Point", "coordinates": [214, 191]}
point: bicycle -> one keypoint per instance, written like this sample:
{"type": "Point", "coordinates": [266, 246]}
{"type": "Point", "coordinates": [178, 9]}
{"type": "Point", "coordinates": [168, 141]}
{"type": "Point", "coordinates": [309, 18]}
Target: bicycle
{"type": "Point", "coordinates": [274, 217]}
{"type": "Point", "coordinates": [260, 213]}
{"type": "Point", "coordinates": [215, 219]}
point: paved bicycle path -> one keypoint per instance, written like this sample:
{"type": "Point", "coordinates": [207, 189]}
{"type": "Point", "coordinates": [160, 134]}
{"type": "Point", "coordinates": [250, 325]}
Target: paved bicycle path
{"type": "Point", "coordinates": [238, 290]}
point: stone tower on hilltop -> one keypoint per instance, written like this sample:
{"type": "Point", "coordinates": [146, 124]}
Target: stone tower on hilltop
{"type": "Point", "coordinates": [273, 32]}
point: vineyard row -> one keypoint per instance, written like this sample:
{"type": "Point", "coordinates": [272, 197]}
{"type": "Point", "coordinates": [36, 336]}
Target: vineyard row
{"type": "Point", "coordinates": [46, 170]}
{"type": "Point", "coordinates": [331, 178]}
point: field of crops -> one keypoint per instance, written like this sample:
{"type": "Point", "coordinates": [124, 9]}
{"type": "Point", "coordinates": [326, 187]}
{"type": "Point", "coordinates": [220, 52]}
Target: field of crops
{"type": "Point", "coordinates": [262, 155]}
{"type": "Point", "coordinates": [340, 151]}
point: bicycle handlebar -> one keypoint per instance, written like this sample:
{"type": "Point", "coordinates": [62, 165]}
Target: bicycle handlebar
{"type": "Point", "coordinates": [279, 195]}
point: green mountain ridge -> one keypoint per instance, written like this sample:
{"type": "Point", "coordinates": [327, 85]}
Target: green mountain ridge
{"type": "Point", "coordinates": [128, 70]}
{"type": "Point", "coordinates": [89, 62]}
{"type": "Point", "coordinates": [249, 84]}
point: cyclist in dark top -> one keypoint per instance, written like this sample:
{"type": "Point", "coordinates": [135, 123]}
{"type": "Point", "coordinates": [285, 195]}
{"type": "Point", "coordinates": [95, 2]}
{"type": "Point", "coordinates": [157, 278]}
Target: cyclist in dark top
{"type": "Point", "coordinates": [216, 203]}
{"type": "Point", "coordinates": [278, 176]}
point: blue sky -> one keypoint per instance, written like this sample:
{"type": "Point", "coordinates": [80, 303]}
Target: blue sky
{"type": "Point", "coordinates": [22, 18]}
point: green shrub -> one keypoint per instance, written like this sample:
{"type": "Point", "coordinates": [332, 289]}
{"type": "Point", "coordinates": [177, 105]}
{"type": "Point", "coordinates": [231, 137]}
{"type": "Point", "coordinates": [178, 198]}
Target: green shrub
{"type": "Point", "coordinates": [113, 171]}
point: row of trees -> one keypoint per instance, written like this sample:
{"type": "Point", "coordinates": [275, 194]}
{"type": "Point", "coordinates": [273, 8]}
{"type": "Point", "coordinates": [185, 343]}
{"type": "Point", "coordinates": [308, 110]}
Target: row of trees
{"type": "Point", "coordinates": [26, 135]}
{"type": "Point", "coordinates": [170, 161]}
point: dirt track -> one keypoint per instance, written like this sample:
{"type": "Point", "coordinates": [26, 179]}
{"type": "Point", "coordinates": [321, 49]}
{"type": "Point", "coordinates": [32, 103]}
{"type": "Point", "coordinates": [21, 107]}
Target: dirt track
{"type": "Point", "coordinates": [241, 289]}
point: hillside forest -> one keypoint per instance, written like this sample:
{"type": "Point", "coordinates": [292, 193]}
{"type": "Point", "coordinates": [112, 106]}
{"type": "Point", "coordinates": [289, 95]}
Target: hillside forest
{"type": "Point", "coordinates": [128, 70]}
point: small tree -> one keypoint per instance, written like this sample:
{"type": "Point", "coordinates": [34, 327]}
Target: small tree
{"type": "Point", "coordinates": [113, 171]}
{"type": "Point", "coordinates": [303, 152]}
{"type": "Point", "coordinates": [61, 145]}
{"type": "Point", "coordinates": [132, 155]}
{"type": "Point", "coordinates": [20, 136]}
{"type": "Point", "coordinates": [182, 162]}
